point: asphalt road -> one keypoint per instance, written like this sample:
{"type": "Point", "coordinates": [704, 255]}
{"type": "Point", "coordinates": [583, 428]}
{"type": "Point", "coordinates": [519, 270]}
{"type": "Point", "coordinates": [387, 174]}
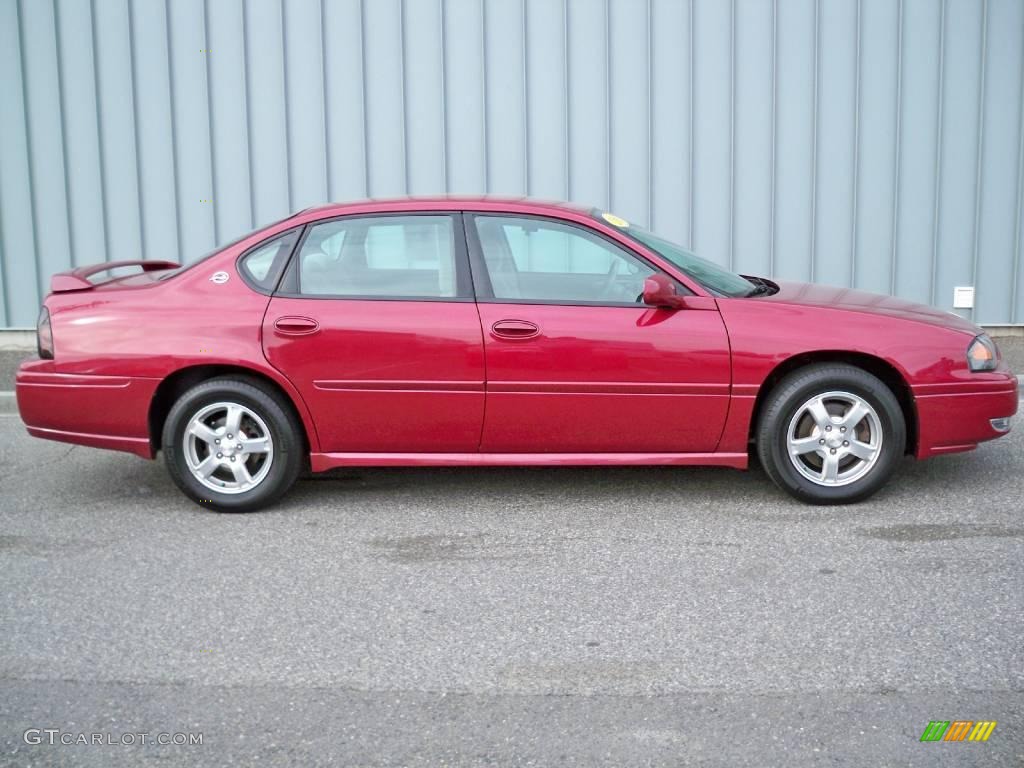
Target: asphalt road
{"type": "Point", "coordinates": [648, 616]}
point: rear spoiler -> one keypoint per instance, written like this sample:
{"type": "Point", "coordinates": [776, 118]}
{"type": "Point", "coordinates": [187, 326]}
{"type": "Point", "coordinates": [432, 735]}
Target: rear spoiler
{"type": "Point", "coordinates": [78, 279]}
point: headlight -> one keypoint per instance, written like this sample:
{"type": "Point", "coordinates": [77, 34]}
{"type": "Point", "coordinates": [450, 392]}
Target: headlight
{"type": "Point", "coordinates": [982, 355]}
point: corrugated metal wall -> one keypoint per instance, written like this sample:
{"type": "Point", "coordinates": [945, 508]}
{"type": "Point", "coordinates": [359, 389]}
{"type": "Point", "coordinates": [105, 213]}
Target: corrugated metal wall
{"type": "Point", "coordinates": [875, 143]}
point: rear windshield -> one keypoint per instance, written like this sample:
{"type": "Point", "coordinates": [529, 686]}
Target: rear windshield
{"type": "Point", "coordinates": [172, 272]}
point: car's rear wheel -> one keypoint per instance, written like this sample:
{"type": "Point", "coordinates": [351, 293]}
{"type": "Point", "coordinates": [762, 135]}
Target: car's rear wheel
{"type": "Point", "coordinates": [831, 434]}
{"type": "Point", "coordinates": [232, 445]}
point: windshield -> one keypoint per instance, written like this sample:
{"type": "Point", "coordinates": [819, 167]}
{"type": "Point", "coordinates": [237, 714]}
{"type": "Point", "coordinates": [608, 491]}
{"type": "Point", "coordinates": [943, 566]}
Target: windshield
{"type": "Point", "coordinates": [707, 273]}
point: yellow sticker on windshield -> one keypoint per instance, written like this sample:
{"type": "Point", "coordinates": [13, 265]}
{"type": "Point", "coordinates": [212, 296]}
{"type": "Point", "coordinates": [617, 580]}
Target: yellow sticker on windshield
{"type": "Point", "coordinates": [614, 220]}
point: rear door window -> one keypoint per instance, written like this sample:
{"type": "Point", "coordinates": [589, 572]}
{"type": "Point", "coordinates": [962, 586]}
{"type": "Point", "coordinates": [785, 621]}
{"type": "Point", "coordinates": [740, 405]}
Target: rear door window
{"type": "Point", "coordinates": [410, 256]}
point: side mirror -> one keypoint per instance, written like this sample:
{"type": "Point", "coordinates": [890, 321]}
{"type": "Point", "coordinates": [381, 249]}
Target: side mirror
{"type": "Point", "coordinates": [660, 291]}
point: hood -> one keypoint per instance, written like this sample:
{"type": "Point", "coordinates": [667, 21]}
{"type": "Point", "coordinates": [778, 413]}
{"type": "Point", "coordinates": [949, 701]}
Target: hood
{"type": "Point", "coordinates": [813, 295]}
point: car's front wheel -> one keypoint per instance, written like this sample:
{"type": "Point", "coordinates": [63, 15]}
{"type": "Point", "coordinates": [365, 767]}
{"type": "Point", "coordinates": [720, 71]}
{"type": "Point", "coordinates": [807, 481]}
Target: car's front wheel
{"type": "Point", "coordinates": [231, 445]}
{"type": "Point", "coordinates": [831, 434]}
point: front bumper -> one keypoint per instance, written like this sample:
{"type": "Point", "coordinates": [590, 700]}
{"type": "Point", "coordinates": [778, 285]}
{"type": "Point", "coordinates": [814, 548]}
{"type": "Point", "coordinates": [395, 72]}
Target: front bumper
{"type": "Point", "coordinates": [954, 417]}
{"type": "Point", "coordinates": [99, 411]}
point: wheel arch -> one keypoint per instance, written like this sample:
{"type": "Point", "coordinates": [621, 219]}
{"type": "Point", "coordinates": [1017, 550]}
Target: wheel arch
{"type": "Point", "coordinates": [888, 373]}
{"type": "Point", "coordinates": [177, 383]}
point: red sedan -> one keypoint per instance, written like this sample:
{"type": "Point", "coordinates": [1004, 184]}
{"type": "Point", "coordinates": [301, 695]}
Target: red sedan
{"type": "Point", "coordinates": [481, 331]}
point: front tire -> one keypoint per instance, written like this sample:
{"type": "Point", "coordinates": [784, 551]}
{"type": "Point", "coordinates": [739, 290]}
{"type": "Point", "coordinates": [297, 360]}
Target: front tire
{"type": "Point", "coordinates": [232, 446]}
{"type": "Point", "coordinates": [831, 434]}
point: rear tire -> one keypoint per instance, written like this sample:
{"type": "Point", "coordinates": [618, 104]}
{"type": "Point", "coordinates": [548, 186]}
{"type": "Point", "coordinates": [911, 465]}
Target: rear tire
{"type": "Point", "coordinates": [831, 434]}
{"type": "Point", "coordinates": [232, 446]}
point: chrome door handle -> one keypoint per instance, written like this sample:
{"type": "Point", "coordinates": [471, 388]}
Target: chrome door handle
{"type": "Point", "coordinates": [296, 326]}
{"type": "Point", "coordinates": [515, 329]}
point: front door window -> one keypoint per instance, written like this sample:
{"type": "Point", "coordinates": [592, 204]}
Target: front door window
{"type": "Point", "coordinates": [536, 260]}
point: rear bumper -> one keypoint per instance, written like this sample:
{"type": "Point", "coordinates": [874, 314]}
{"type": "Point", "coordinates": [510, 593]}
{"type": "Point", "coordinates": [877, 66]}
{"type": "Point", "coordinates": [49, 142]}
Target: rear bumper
{"type": "Point", "coordinates": [957, 416]}
{"type": "Point", "coordinates": [99, 411]}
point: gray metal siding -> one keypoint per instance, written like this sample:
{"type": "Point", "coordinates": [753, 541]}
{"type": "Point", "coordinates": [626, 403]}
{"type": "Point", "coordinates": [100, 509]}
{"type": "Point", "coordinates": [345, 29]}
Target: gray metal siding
{"type": "Point", "coordinates": [867, 143]}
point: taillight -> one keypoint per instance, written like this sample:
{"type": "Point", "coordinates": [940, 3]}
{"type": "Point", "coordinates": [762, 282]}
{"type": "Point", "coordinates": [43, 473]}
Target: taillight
{"type": "Point", "coordinates": [44, 335]}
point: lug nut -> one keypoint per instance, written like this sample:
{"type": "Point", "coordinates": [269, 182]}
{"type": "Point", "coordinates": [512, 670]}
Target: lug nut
{"type": "Point", "coordinates": [842, 429]}
{"type": "Point", "coordinates": [827, 429]}
{"type": "Point", "coordinates": [217, 441]}
{"type": "Point", "coordinates": [233, 458]}
{"type": "Point", "coordinates": [229, 435]}
{"type": "Point", "coordinates": [833, 451]}
{"type": "Point", "coordinates": [239, 446]}
{"type": "Point", "coordinates": [822, 441]}
{"type": "Point", "coordinates": [846, 442]}
{"type": "Point", "coordinates": [219, 456]}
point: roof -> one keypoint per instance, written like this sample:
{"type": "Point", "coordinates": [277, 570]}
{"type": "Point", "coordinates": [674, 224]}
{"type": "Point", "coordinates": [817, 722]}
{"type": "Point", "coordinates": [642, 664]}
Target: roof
{"type": "Point", "coordinates": [448, 202]}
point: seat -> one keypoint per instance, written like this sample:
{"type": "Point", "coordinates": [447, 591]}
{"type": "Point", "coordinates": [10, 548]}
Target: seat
{"type": "Point", "coordinates": [501, 266]}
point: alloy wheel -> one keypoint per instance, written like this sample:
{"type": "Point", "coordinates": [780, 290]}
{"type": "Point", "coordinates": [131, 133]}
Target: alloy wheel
{"type": "Point", "coordinates": [834, 438]}
{"type": "Point", "coordinates": [228, 447]}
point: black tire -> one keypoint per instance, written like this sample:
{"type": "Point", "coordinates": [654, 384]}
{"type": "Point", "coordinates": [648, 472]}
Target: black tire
{"type": "Point", "coordinates": [281, 423]}
{"type": "Point", "coordinates": [781, 408]}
